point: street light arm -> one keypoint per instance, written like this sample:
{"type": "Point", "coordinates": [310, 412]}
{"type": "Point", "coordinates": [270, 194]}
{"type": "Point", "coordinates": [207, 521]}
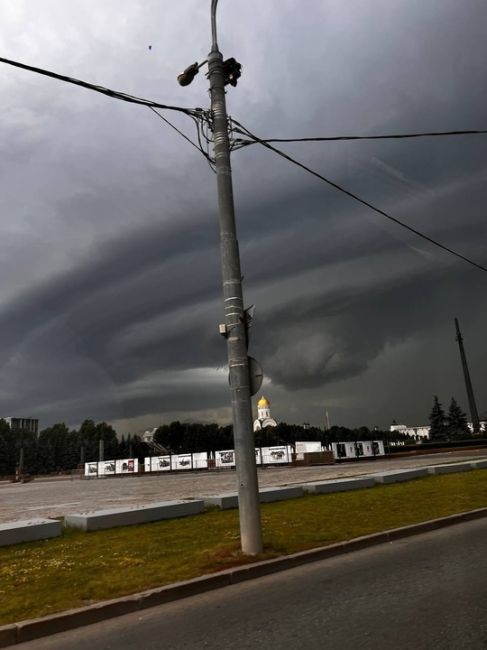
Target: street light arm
{"type": "Point", "coordinates": [214, 42]}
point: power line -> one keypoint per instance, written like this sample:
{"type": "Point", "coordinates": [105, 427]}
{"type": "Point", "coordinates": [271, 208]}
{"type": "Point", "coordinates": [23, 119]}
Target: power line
{"type": "Point", "coordinates": [265, 143]}
{"type": "Point", "coordinates": [239, 143]}
{"type": "Point", "coordinates": [198, 147]}
{"type": "Point", "coordinates": [115, 94]}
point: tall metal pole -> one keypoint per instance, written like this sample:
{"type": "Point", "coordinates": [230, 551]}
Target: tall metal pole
{"type": "Point", "coordinates": [468, 384]}
{"type": "Point", "coordinates": [235, 330]}
{"type": "Point", "coordinates": [21, 461]}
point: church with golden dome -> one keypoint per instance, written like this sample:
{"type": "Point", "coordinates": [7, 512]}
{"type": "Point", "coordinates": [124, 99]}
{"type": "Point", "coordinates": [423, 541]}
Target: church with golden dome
{"type": "Point", "coordinates": [264, 415]}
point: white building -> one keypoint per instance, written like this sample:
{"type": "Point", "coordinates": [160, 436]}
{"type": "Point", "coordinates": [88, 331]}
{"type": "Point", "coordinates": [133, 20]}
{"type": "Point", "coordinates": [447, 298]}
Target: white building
{"type": "Point", "coordinates": [23, 424]}
{"type": "Point", "coordinates": [264, 418]}
{"type": "Point", "coordinates": [420, 433]}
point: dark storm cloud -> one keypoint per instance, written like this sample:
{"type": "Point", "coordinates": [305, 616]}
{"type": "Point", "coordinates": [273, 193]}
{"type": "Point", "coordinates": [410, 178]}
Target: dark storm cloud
{"type": "Point", "coordinates": [339, 336]}
{"type": "Point", "coordinates": [111, 265]}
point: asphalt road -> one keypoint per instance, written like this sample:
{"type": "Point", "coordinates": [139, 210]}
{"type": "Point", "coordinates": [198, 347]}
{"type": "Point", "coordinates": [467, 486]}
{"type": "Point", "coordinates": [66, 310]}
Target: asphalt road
{"type": "Point", "coordinates": [426, 592]}
{"type": "Point", "coordinates": [57, 498]}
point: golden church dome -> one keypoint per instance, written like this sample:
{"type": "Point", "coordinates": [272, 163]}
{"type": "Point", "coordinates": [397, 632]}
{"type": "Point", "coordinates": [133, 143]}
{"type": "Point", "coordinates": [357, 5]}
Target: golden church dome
{"type": "Point", "coordinates": [263, 403]}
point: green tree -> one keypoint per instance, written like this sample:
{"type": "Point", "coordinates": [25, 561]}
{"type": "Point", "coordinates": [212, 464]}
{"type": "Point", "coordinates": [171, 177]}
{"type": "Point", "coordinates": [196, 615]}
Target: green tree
{"type": "Point", "coordinates": [437, 419]}
{"type": "Point", "coordinates": [457, 421]}
{"type": "Point", "coordinates": [108, 434]}
{"type": "Point", "coordinates": [57, 449]}
{"type": "Point", "coordinates": [88, 437]}
{"type": "Point", "coordinates": [8, 450]}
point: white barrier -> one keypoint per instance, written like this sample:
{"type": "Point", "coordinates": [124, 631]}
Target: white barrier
{"type": "Point", "coordinates": [175, 462]}
{"type": "Point", "coordinates": [200, 460]}
{"type": "Point", "coordinates": [127, 466]}
{"type": "Point", "coordinates": [225, 458]}
{"type": "Point", "coordinates": [112, 467]}
{"type": "Point", "coordinates": [276, 455]}
{"type": "Point", "coordinates": [181, 461]}
{"type": "Point", "coordinates": [304, 447]}
{"type": "Point", "coordinates": [91, 469]}
{"type": "Point", "coordinates": [358, 449]}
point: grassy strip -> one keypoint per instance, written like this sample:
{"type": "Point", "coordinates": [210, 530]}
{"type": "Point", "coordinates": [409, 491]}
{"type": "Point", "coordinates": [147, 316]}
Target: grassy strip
{"type": "Point", "coordinates": [45, 577]}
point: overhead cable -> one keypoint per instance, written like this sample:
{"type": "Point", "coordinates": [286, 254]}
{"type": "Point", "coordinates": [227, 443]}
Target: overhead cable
{"type": "Point", "coordinates": [392, 136]}
{"type": "Point", "coordinates": [241, 129]}
{"type": "Point", "coordinates": [115, 94]}
{"type": "Point", "coordinates": [199, 146]}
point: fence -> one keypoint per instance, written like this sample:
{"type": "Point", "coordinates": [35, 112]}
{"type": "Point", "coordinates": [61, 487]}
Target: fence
{"type": "Point", "coordinates": [264, 456]}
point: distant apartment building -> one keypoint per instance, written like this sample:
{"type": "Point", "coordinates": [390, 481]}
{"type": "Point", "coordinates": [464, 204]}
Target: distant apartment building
{"type": "Point", "coordinates": [23, 424]}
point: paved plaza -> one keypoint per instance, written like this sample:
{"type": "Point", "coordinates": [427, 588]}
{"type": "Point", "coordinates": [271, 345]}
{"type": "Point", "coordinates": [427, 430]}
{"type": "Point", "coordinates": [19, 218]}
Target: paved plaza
{"type": "Point", "coordinates": [57, 497]}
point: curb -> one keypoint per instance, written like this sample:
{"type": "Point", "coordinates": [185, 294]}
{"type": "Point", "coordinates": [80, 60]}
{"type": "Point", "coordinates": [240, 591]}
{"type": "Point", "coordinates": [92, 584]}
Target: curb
{"type": "Point", "coordinates": [29, 630]}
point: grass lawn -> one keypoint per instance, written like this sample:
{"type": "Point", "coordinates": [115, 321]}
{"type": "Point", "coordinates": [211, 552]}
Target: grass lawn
{"type": "Point", "coordinates": [80, 568]}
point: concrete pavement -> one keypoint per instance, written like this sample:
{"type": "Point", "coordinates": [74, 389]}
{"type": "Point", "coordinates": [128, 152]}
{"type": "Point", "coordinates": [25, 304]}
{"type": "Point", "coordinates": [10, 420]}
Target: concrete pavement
{"type": "Point", "coordinates": [50, 499]}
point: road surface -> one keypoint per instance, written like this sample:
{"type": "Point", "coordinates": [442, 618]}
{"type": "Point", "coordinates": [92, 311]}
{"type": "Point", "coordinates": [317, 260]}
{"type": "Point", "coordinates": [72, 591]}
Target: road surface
{"type": "Point", "coordinates": [423, 593]}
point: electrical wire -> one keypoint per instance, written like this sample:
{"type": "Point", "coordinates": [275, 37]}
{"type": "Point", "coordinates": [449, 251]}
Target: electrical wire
{"type": "Point", "coordinates": [199, 147]}
{"type": "Point", "coordinates": [438, 244]}
{"type": "Point", "coordinates": [183, 135]}
{"type": "Point", "coordinates": [202, 121]}
{"type": "Point", "coordinates": [197, 114]}
{"type": "Point", "coordinates": [393, 136]}
{"type": "Point", "coordinates": [102, 89]}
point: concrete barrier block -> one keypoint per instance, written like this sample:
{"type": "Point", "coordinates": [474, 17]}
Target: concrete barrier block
{"type": "Point", "coordinates": [401, 475]}
{"type": "Point", "coordinates": [266, 495]}
{"type": "Point", "coordinates": [222, 501]}
{"type": "Point", "coordinates": [102, 519]}
{"type": "Point", "coordinates": [8, 635]}
{"type": "Point", "coordinates": [31, 530]}
{"type": "Point", "coordinates": [340, 485]}
{"type": "Point", "coordinates": [450, 469]}
{"type": "Point", "coordinates": [269, 495]}
{"type": "Point", "coordinates": [479, 464]}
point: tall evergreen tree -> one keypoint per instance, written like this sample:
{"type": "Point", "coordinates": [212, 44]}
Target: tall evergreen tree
{"type": "Point", "coordinates": [438, 427]}
{"type": "Point", "coordinates": [457, 421]}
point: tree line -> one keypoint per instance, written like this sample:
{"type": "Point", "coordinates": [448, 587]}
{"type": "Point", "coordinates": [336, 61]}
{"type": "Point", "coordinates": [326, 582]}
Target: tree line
{"type": "Point", "coordinates": [59, 448]}
{"type": "Point", "coordinates": [181, 437]}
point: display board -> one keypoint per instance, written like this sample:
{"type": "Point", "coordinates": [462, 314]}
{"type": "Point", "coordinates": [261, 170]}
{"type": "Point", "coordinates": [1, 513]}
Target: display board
{"type": "Point", "coordinates": [158, 464]}
{"type": "Point", "coordinates": [276, 455]}
{"type": "Point", "coordinates": [225, 458]}
{"type": "Point", "coordinates": [304, 447]}
{"type": "Point", "coordinates": [91, 469]}
{"type": "Point", "coordinates": [127, 466]}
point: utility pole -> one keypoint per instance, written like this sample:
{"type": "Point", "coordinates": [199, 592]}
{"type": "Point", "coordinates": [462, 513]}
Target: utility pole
{"type": "Point", "coordinates": [235, 327]}
{"type": "Point", "coordinates": [235, 319]}
{"type": "Point", "coordinates": [21, 461]}
{"type": "Point", "coordinates": [468, 384]}
{"type": "Point", "coordinates": [327, 420]}
{"type": "Point", "coordinates": [82, 455]}
{"type": "Point", "coordinates": [101, 450]}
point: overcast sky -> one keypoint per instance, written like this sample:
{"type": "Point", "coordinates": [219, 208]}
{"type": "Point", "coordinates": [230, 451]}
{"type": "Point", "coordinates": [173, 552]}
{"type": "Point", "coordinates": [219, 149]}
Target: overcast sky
{"type": "Point", "coordinates": [109, 259]}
